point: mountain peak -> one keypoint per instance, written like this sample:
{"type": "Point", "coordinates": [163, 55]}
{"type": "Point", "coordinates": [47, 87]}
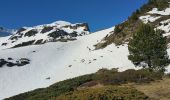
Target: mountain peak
{"type": "Point", "coordinates": [62, 23]}
{"type": "Point", "coordinates": [57, 31]}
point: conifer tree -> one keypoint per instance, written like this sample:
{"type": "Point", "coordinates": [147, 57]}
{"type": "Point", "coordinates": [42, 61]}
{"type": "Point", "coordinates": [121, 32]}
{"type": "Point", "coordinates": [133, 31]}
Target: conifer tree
{"type": "Point", "coordinates": [148, 48]}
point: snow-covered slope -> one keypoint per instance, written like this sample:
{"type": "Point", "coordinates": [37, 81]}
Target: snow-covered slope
{"type": "Point", "coordinates": [160, 19]}
{"type": "Point", "coordinates": [56, 31]}
{"type": "Point", "coordinates": [56, 61]}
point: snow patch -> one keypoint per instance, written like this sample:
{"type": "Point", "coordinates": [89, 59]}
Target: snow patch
{"type": "Point", "coordinates": [149, 18]}
{"type": "Point", "coordinates": [163, 12]}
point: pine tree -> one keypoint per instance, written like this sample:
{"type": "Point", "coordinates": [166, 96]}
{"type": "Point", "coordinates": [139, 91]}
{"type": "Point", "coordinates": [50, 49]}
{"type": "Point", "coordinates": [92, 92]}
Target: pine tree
{"type": "Point", "coordinates": [117, 29]}
{"type": "Point", "coordinates": [148, 48]}
{"type": "Point", "coordinates": [134, 16]}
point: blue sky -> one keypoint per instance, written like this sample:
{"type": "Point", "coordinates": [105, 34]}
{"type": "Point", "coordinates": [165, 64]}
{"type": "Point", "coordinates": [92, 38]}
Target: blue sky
{"type": "Point", "coordinates": [99, 14]}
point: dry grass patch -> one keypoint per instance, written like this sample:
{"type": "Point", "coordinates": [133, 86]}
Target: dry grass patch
{"type": "Point", "coordinates": [158, 90]}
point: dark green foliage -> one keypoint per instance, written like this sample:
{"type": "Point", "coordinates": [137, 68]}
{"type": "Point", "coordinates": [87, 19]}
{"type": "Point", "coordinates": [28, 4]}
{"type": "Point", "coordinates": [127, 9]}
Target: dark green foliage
{"type": "Point", "coordinates": [103, 76]}
{"type": "Point", "coordinates": [54, 90]}
{"type": "Point", "coordinates": [117, 29]}
{"type": "Point", "coordinates": [124, 31]}
{"type": "Point", "coordinates": [160, 4]}
{"type": "Point", "coordinates": [149, 47]}
{"type": "Point", "coordinates": [134, 16]}
{"type": "Point", "coordinates": [104, 93]}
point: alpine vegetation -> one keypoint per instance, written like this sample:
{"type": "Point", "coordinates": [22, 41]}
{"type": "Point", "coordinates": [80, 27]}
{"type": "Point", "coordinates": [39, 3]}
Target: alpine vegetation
{"type": "Point", "coordinates": [148, 49]}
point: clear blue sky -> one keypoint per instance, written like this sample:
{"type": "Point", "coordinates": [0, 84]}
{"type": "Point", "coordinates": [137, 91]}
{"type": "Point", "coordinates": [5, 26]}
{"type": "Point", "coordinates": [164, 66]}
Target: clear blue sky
{"type": "Point", "coordinates": [100, 14]}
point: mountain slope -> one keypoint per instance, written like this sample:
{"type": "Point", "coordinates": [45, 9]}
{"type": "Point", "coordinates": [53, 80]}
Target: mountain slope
{"type": "Point", "coordinates": [68, 50]}
{"type": "Point", "coordinates": [155, 13]}
{"type": "Point", "coordinates": [56, 31]}
{"type": "Point", "coordinates": [56, 61]}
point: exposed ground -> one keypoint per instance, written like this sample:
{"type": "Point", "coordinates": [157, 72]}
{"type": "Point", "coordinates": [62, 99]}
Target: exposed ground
{"type": "Point", "coordinates": [158, 90]}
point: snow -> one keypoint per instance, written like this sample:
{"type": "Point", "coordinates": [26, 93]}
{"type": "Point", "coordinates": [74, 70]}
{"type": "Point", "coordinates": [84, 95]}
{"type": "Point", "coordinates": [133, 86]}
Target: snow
{"type": "Point", "coordinates": [62, 23]}
{"type": "Point", "coordinates": [53, 60]}
{"type": "Point", "coordinates": [149, 18]}
{"type": "Point", "coordinates": [165, 27]}
{"type": "Point", "coordinates": [163, 12]}
{"type": "Point", "coordinates": [58, 25]}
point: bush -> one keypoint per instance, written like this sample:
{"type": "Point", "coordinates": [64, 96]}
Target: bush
{"type": "Point", "coordinates": [105, 76]}
{"type": "Point", "coordinates": [134, 16]}
{"type": "Point", "coordinates": [117, 29]}
{"type": "Point", "coordinates": [160, 4]}
{"type": "Point", "coordinates": [54, 90]}
{"type": "Point", "coordinates": [70, 87]}
{"type": "Point", "coordinates": [104, 93]}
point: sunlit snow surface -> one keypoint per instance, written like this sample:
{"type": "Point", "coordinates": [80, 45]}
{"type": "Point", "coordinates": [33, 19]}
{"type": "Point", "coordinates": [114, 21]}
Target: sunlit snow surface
{"type": "Point", "coordinates": [163, 12]}
{"type": "Point", "coordinates": [54, 60]}
{"type": "Point", "coordinates": [63, 60]}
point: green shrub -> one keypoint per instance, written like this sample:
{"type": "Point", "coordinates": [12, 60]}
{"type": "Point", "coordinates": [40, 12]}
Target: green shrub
{"type": "Point", "coordinates": [105, 76]}
{"type": "Point", "coordinates": [104, 93]}
{"type": "Point", "coordinates": [135, 16]}
{"type": "Point", "coordinates": [148, 48]}
{"type": "Point", "coordinates": [69, 87]}
{"type": "Point", "coordinates": [117, 29]}
{"type": "Point", "coordinates": [54, 90]}
{"type": "Point", "coordinates": [160, 4]}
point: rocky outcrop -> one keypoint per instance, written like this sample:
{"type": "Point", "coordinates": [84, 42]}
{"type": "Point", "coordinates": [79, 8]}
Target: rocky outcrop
{"type": "Point", "coordinates": [10, 63]}
{"type": "Point", "coordinates": [54, 32]}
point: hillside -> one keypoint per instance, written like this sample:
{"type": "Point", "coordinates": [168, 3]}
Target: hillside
{"type": "Point", "coordinates": [107, 93]}
{"type": "Point", "coordinates": [104, 84]}
{"type": "Point", "coordinates": [55, 61]}
{"type": "Point", "coordinates": [57, 31]}
{"type": "Point", "coordinates": [39, 56]}
{"type": "Point", "coordinates": [155, 13]}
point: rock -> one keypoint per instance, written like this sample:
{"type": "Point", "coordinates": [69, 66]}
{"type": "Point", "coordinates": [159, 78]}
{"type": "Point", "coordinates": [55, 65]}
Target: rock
{"type": "Point", "coordinates": [57, 33]}
{"type": "Point", "coordinates": [39, 41]}
{"type": "Point", "coordinates": [73, 34]}
{"type": "Point", "coordinates": [31, 33]}
{"type": "Point", "coordinates": [4, 44]}
{"type": "Point", "coordinates": [10, 64]}
{"type": "Point", "coordinates": [21, 30]}
{"type": "Point", "coordinates": [10, 58]}
{"type": "Point", "coordinates": [24, 44]}
{"type": "Point", "coordinates": [48, 78]}
{"type": "Point", "coordinates": [46, 29]}
{"type": "Point", "coordinates": [2, 62]}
